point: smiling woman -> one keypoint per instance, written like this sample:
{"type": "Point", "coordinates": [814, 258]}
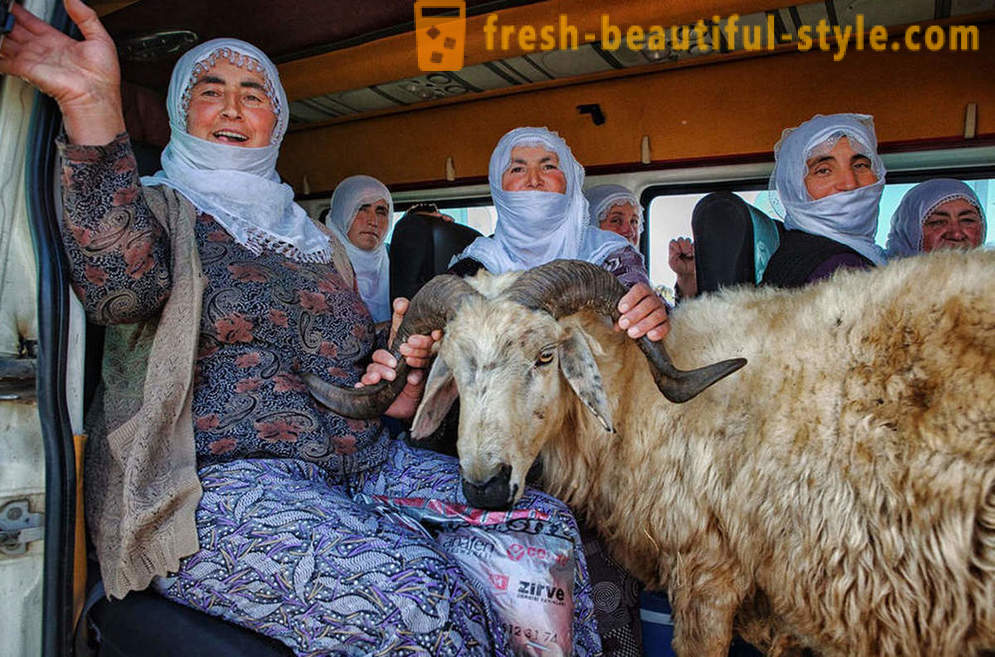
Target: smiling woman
{"type": "Point", "coordinates": [212, 476]}
{"type": "Point", "coordinates": [942, 213]}
{"type": "Point", "coordinates": [229, 105]}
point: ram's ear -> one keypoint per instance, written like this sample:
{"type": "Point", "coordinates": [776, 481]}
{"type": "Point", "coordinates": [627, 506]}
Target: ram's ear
{"type": "Point", "coordinates": [581, 372]}
{"type": "Point", "coordinates": [440, 393]}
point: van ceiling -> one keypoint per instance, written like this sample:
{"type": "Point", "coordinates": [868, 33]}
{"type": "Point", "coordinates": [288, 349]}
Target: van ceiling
{"type": "Point", "coordinates": [330, 76]}
{"type": "Point", "coordinates": [284, 29]}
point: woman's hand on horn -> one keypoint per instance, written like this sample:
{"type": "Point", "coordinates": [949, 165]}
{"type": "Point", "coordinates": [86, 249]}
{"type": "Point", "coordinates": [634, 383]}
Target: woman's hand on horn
{"type": "Point", "coordinates": [82, 76]}
{"type": "Point", "coordinates": [417, 352]}
{"type": "Point", "coordinates": [643, 313]}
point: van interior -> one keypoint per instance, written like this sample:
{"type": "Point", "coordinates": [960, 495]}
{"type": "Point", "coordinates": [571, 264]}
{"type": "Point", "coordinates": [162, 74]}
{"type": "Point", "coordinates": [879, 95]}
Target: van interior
{"type": "Point", "coordinates": [673, 124]}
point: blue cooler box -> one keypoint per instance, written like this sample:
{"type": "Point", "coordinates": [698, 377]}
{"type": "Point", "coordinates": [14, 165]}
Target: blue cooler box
{"type": "Point", "coordinates": [658, 628]}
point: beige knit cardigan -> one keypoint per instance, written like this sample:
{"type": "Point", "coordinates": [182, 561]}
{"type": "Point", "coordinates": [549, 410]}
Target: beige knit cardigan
{"type": "Point", "coordinates": [142, 488]}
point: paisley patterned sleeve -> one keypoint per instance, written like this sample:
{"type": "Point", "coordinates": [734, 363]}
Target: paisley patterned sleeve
{"type": "Point", "coordinates": [118, 251]}
{"type": "Point", "coordinates": [627, 266]}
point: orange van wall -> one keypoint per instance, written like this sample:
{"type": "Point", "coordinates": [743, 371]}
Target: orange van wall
{"type": "Point", "coordinates": [691, 115]}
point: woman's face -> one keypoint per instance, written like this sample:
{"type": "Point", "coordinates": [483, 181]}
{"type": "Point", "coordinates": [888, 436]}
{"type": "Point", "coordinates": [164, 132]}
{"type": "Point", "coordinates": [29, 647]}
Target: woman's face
{"type": "Point", "coordinates": [955, 224]}
{"type": "Point", "coordinates": [533, 169]}
{"type": "Point", "coordinates": [370, 225]}
{"type": "Point", "coordinates": [623, 218]}
{"type": "Point", "coordinates": [839, 170]}
{"type": "Point", "coordinates": [229, 105]}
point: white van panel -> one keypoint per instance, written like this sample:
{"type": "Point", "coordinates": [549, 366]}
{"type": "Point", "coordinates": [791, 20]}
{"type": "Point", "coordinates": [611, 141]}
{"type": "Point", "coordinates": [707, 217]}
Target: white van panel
{"type": "Point", "coordinates": [22, 454]}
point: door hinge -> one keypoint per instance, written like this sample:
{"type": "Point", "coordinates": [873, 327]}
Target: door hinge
{"type": "Point", "coordinates": [17, 379]}
{"type": "Point", "coordinates": [18, 527]}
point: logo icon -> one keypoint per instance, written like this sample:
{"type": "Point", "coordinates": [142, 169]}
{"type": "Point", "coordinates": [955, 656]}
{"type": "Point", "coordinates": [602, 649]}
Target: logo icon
{"type": "Point", "coordinates": [498, 581]}
{"type": "Point", "coordinates": [440, 34]}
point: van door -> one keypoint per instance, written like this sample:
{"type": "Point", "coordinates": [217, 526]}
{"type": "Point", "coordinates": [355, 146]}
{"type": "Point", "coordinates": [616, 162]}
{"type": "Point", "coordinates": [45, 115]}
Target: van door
{"type": "Point", "coordinates": [39, 521]}
{"type": "Point", "coordinates": [22, 454]}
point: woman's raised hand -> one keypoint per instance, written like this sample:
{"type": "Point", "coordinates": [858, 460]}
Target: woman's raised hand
{"type": "Point", "coordinates": [82, 76]}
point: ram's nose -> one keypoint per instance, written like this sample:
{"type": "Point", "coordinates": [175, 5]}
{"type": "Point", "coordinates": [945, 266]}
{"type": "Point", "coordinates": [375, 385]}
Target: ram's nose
{"type": "Point", "coordinates": [495, 493]}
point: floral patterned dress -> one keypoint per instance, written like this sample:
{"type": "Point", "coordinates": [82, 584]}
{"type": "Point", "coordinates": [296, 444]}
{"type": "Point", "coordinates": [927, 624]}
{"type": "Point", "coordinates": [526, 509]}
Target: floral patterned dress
{"type": "Point", "coordinates": [298, 537]}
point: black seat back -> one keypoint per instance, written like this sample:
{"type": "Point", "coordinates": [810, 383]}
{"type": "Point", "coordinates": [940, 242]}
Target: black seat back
{"type": "Point", "coordinates": [421, 247]}
{"type": "Point", "coordinates": [733, 241]}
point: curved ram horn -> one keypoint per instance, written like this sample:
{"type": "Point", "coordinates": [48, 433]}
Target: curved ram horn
{"type": "Point", "coordinates": [431, 308]}
{"type": "Point", "coordinates": [563, 287]}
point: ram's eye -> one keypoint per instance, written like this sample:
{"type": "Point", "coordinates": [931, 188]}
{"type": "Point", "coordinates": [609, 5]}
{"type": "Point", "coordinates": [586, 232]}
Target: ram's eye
{"type": "Point", "coordinates": [545, 357]}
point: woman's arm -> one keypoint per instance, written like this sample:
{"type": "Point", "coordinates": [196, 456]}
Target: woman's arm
{"type": "Point", "coordinates": [643, 311]}
{"type": "Point", "coordinates": [118, 251]}
{"type": "Point", "coordinates": [681, 260]}
{"type": "Point", "coordinates": [417, 352]}
{"type": "Point", "coordinates": [82, 76]}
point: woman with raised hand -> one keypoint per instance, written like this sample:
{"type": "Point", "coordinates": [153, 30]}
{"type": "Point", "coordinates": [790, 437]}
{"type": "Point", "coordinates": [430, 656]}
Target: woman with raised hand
{"type": "Point", "coordinates": [212, 475]}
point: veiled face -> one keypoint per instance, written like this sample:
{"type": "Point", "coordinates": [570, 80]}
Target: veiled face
{"type": "Point", "coordinates": [841, 169]}
{"type": "Point", "coordinates": [623, 218]}
{"type": "Point", "coordinates": [534, 169]}
{"type": "Point", "coordinates": [229, 105]}
{"type": "Point", "coordinates": [955, 224]}
{"type": "Point", "coordinates": [370, 226]}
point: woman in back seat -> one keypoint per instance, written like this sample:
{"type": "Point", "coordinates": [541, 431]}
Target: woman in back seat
{"type": "Point", "coordinates": [828, 179]}
{"type": "Point", "coordinates": [360, 215]}
{"type": "Point", "coordinates": [616, 209]}
{"type": "Point", "coordinates": [942, 213]}
{"type": "Point", "coordinates": [212, 475]}
{"type": "Point", "coordinates": [542, 215]}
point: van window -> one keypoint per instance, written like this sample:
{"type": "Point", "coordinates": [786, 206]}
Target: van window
{"type": "Point", "coordinates": [482, 218]}
{"type": "Point", "coordinates": [669, 217]}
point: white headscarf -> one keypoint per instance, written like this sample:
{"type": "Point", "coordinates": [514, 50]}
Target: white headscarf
{"type": "Point", "coordinates": [849, 217]}
{"type": "Point", "coordinates": [372, 267]}
{"type": "Point", "coordinates": [905, 237]}
{"type": "Point", "coordinates": [602, 198]}
{"type": "Point", "coordinates": [535, 227]}
{"type": "Point", "coordinates": [237, 185]}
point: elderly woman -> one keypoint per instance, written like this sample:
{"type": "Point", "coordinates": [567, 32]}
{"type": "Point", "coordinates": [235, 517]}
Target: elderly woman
{"type": "Point", "coordinates": [615, 209]}
{"type": "Point", "coordinates": [942, 213]}
{"type": "Point", "coordinates": [827, 180]}
{"type": "Point", "coordinates": [212, 475]}
{"type": "Point", "coordinates": [360, 216]}
{"type": "Point", "coordinates": [536, 185]}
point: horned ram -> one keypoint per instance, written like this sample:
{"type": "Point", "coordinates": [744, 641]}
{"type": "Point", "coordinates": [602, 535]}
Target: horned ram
{"type": "Point", "coordinates": [836, 495]}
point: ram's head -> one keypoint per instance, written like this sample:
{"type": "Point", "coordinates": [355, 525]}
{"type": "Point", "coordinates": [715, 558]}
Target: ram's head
{"type": "Point", "coordinates": [512, 363]}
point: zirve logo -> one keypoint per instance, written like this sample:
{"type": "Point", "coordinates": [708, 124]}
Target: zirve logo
{"type": "Point", "coordinates": [440, 34]}
{"type": "Point", "coordinates": [540, 591]}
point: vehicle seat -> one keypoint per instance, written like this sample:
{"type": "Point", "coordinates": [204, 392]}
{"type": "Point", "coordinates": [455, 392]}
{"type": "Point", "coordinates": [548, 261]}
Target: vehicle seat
{"type": "Point", "coordinates": [144, 624]}
{"type": "Point", "coordinates": [421, 247]}
{"type": "Point", "coordinates": [733, 241]}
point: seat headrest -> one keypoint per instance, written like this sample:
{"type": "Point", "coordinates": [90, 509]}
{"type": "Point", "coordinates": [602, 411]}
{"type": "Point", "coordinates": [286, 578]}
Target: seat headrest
{"type": "Point", "coordinates": [421, 247]}
{"type": "Point", "coordinates": [733, 241]}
